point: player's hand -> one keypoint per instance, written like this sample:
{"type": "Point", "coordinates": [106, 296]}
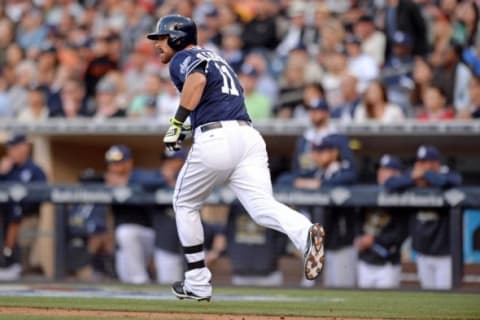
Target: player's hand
{"type": "Point", "coordinates": [364, 242]}
{"type": "Point", "coordinates": [172, 138]}
{"type": "Point", "coordinates": [186, 132]}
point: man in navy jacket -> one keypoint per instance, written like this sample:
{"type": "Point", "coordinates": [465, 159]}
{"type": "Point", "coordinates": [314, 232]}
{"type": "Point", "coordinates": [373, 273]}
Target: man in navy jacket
{"type": "Point", "coordinates": [429, 227]}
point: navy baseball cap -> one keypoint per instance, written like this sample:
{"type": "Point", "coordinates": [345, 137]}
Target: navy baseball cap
{"type": "Point", "coordinates": [428, 153]}
{"type": "Point", "coordinates": [249, 70]}
{"type": "Point", "coordinates": [15, 138]}
{"type": "Point", "coordinates": [402, 38]}
{"type": "Point", "coordinates": [118, 153]}
{"type": "Point", "coordinates": [327, 143]}
{"type": "Point", "coordinates": [391, 162]}
{"type": "Point", "coordinates": [319, 104]}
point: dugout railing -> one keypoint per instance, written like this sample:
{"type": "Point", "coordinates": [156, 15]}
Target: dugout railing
{"type": "Point", "coordinates": [357, 196]}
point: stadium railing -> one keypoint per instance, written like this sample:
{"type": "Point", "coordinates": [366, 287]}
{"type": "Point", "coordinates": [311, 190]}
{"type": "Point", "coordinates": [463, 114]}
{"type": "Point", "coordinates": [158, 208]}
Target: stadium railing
{"type": "Point", "coordinates": [360, 196]}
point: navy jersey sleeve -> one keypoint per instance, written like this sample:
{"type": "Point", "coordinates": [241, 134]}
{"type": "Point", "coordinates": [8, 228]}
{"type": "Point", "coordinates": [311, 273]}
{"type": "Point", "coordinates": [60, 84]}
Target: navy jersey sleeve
{"type": "Point", "coordinates": [443, 179]}
{"type": "Point", "coordinates": [38, 175]}
{"type": "Point", "coordinates": [148, 179]}
{"type": "Point", "coordinates": [347, 175]}
{"type": "Point", "coordinates": [182, 64]}
{"type": "Point", "coordinates": [399, 183]}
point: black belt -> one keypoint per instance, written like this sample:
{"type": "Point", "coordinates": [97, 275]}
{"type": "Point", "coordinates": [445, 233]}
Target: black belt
{"type": "Point", "coordinates": [218, 124]}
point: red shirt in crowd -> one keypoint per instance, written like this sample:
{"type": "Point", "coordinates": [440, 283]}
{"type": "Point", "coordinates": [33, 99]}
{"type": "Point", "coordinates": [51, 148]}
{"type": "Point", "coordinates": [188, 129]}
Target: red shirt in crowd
{"type": "Point", "coordinates": [445, 114]}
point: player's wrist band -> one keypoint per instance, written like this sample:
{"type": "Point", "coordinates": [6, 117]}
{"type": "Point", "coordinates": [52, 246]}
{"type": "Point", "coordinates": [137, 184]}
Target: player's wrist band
{"type": "Point", "coordinates": [182, 114]}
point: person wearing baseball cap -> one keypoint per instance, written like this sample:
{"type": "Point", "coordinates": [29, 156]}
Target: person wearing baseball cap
{"type": "Point", "coordinates": [430, 227]}
{"type": "Point", "coordinates": [258, 105]}
{"type": "Point", "coordinates": [332, 170]}
{"type": "Point", "coordinates": [134, 233]}
{"type": "Point", "coordinates": [380, 233]}
{"type": "Point", "coordinates": [17, 166]}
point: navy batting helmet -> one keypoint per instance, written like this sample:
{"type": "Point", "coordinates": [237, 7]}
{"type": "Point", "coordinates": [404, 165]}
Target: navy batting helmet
{"type": "Point", "coordinates": [181, 31]}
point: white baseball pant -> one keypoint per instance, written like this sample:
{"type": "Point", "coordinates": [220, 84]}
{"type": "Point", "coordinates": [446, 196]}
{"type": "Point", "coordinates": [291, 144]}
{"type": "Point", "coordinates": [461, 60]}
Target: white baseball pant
{"type": "Point", "coordinates": [435, 272]}
{"type": "Point", "coordinates": [339, 270]}
{"type": "Point", "coordinates": [135, 249]}
{"type": "Point", "coordinates": [169, 266]}
{"type": "Point", "coordinates": [235, 155]}
{"type": "Point", "coordinates": [377, 276]}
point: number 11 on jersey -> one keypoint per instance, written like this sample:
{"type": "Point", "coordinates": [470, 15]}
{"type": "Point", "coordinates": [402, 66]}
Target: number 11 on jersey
{"type": "Point", "coordinates": [228, 81]}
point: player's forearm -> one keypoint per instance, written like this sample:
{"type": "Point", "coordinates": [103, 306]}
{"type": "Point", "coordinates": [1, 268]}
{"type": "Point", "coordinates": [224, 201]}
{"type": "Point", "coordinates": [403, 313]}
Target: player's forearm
{"type": "Point", "coordinates": [192, 90]}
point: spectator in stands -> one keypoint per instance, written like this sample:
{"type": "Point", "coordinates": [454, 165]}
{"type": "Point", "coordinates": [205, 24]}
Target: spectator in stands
{"type": "Point", "coordinates": [465, 23]}
{"type": "Point", "coordinates": [205, 35]}
{"type": "Point", "coordinates": [138, 23]}
{"type": "Point", "coordinates": [17, 166]}
{"type": "Point", "coordinates": [231, 46]}
{"type": "Point", "coordinates": [397, 72]}
{"type": "Point", "coordinates": [101, 63]}
{"type": "Point", "coordinates": [333, 171]}
{"type": "Point", "coordinates": [473, 112]}
{"type": "Point", "coordinates": [292, 84]}
{"type": "Point", "coordinates": [263, 247]}
{"type": "Point", "coordinates": [361, 65]}
{"type": "Point", "coordinates": [144, 105]}
{"type": "Point", "coordinates": [107, 105]}
{"type": "Point", "coordinates": [422, 76]}
{"type": "Point", "coordinates": [26, 74]}
{"type": "Point", "coordinates": [36, 109]}
{"type": "Point", "coordinates": [351, 99]}
{"type": "Point", "coordinates": [377, 107]}
{"type": "Point", "coordinates": [5, 110]}
{"type": "Point", "coordinates": [451, 74]}
{"type": "Point", "coordinates": [261, 31]}
{"type": "Point", "coordinates": [71, 101]}
{"type": "Point", "coordinates": [139, 68]}
{"type": "Point", "coordinates": [48, 62]}
{"type": "Point", "coordinates": [31, 32]}
{"type": "Point", "coordinates": [380, 234]}
{"type": "Point", "coordinates": [265, 83]}
{"type": "Point", "coordinates": [373, 41]}
{"type": "Point", "coordinates": [6, 37]}
{"type": "Point", "coordinates": [294, 35]}
{"type": "Point", "coordinates": [434, 100]}
{"type": "Point", "coordinates": [332, 34]}
{"type": "Point", "coordinates": [168, 98]}
{"type": "Point", "coordinates": [335, 64]}
{"type": "Point", "coordinates": [14, 55]}
{"type": "Point", "coordinates": [258, 105]}
{"type": "Point", "coordinates": [405, 15]}
{"type": "Point", "coordinates": [430, 228]}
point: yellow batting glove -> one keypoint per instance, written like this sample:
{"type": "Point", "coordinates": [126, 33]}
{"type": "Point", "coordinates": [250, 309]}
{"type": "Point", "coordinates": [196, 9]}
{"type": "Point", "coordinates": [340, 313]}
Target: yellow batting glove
{"type": "Point", "coordinates": [172, 138]}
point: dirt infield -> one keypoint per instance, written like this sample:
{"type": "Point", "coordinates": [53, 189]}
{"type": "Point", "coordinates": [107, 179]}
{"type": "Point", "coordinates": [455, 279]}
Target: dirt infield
{"type": "Point", "coordinates": [145, 315]}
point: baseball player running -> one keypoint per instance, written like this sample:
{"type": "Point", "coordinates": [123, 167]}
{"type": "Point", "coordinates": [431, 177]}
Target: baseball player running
{"type": "Point", "coordinates": [226, 150]}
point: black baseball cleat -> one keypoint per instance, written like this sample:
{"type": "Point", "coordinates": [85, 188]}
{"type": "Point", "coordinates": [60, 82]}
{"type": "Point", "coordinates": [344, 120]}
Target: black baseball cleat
{"type": "Point", "coordinates": [181, 293]}
{"type": "Point", "coordinates": [314, 252]}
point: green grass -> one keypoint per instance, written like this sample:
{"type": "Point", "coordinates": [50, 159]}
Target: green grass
{"type": "Point", "coordinates": [316, 303]}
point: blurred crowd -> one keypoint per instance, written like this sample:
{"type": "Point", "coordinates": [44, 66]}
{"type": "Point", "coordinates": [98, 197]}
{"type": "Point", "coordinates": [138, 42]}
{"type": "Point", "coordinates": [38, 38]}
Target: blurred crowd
{"type": "Point", "coordinates": [382, 60]}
